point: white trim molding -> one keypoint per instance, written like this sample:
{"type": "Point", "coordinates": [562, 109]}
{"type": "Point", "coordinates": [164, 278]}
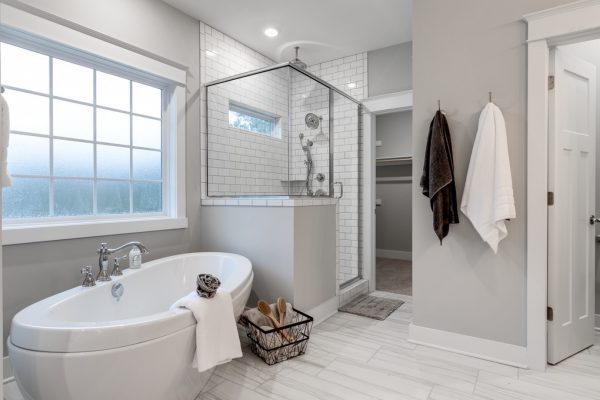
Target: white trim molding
{"type": "Point", "coordinates": [373, 106]}
{"type": "Point", "coordinates": [485, 349]}
{"type": "Point", "coordinates": [395, 254]}
{"type": "Point", "coordinates": [565, 24]}
{"type": "Point", "coordinates": [30, 233]}
{"type": "Point", "coordinates": [597, 322]}
{"type": "Point", "coordinates": [8, 374]}
{"type": "Point", "coordinates": [34, 21]}
{"type": "Point", "coordinates": [324, 310]}
{"type": "Point", "coordinates": [389, 103]}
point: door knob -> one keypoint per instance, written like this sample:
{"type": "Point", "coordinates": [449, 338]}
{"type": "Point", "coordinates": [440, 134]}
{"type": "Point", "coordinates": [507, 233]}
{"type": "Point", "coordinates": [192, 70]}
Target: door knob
{"type": "Point", "coordinates": [593, 220]}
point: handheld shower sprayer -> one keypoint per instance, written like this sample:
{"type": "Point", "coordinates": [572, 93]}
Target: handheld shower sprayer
{"type": "Point", "coordinates": [308, 162]}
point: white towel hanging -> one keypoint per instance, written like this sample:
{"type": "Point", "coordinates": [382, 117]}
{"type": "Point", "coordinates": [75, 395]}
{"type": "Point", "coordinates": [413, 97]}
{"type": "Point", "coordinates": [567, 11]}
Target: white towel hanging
{"type": "Point", "coordinates": [488, 196]}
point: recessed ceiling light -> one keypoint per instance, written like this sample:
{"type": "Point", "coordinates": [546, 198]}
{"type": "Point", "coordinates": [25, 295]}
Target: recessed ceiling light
{"type": "Point", "coordinates": [211, 53]}
{"type": "Point", "coordinates": [271, 32]}
{"type": "Point", "coordinates": [352, 85]}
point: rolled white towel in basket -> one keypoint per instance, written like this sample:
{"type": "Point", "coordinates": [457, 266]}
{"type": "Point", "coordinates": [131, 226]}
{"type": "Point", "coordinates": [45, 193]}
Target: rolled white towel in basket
{"type": "Point", "coordinates": [217, 340]}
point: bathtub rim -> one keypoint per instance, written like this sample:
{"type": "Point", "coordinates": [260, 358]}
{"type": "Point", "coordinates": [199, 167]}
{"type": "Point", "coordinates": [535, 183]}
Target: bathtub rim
{"type": "Point", "coordinates": [37, 332]}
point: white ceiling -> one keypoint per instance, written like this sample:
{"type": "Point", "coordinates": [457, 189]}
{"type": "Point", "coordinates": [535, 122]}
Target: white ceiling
{"type": "Point", "coordinates": [324, 29]}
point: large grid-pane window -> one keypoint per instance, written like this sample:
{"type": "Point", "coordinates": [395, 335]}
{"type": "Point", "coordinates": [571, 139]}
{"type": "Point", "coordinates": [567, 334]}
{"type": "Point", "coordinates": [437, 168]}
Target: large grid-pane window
{"type": "Point", "coordinates": [83, 142]}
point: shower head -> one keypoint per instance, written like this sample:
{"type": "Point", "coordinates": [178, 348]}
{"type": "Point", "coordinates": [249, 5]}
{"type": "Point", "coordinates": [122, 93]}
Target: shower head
{"type": "Point", "coordinates": [296, 61]}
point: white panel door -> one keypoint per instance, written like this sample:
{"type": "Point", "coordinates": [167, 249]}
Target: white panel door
{"type": "Point", "coordinates": [571, 234]}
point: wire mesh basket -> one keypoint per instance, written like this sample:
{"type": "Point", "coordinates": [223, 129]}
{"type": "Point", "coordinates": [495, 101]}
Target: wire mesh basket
{"type": "Point", "coordinates": [280, 344]}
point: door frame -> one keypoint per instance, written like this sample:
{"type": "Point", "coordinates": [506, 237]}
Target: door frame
{"type": "Point", "coordinates": [376, 105]}
{"type": "Point", "coordinates": [570, 23]}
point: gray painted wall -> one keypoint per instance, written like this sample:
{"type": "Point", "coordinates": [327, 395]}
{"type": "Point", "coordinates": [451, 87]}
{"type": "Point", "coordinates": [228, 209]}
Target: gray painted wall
{"type": "Point", "coordinates": [390, 69]}
{"type": "Point", "coordinates": [590, 51]}
{"type": "Point", "coordinates": [292, 250]}
{"type": "Point", "coordinates": [315, 275]}
{"type": "Point", "coordinates": [264, 235]}
{"type": "Point", "coordinates": [394, 130]}
{"type": "Point", "coordinates": [35, 271]}
{"type": "Point", "coordinates": [461, 51]}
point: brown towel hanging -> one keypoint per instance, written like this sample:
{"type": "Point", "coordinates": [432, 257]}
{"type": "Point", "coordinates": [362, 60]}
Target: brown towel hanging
{"type": "Point", "coordinates": [437, 180]}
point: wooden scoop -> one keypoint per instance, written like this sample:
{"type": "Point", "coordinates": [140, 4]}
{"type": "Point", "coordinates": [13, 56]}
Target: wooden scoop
{"type": "Point", "coordinates": [281, 309]}
{"type": "Point", "coordinates": [265, 309]}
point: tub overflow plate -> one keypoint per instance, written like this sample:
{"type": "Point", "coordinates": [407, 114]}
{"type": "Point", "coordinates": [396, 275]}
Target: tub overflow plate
{"type": "Point", "coordinates": [117, 291]}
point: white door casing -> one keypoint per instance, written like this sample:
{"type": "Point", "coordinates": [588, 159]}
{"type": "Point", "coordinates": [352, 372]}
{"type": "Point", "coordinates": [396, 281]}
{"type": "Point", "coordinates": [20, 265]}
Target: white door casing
{"type": "Point", "coordinates": [571, 177]}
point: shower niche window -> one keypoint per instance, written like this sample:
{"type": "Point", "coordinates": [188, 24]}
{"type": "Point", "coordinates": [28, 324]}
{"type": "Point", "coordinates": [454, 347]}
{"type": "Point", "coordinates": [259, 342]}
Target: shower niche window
{"type": "Point", "coordinates": [271, 132]}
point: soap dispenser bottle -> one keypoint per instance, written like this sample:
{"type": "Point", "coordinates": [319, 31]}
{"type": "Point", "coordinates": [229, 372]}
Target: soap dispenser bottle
{"type": "Point", "coordinates": [135, 258]}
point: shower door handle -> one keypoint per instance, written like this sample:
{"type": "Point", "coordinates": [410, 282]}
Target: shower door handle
{"type": "Point", "coordinates": [341, 189]}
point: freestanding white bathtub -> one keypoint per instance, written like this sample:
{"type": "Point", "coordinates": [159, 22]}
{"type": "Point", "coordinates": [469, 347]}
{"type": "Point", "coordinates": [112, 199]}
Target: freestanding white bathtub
{"type": "Point", "coordinates": [83, 344]}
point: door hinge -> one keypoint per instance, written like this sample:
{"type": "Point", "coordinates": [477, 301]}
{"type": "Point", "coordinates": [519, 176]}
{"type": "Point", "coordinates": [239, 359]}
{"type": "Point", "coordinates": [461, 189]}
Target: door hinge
{"type": "Point", "coordinates": [550, 198]}
{"type": "Point", "coordinates": [550, 314]}
{"type": "Point", "coordinates": [551, 81]}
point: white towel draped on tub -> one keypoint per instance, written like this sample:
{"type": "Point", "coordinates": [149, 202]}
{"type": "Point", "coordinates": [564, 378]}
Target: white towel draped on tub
{"type": "Point", "coordinates": [4, 137]}
{"type": "Point", "coordinates": [488, 197]}
{"type": "Point", "coordinates": [217, 340]}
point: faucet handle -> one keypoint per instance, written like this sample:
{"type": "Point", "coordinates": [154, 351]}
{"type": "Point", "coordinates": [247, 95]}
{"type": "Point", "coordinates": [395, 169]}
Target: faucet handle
{"type": "Point", "coordinates": [88, 280]}
{"type": "Point", "coordinates": [116, 268]}
{"type": "Point", "coordinates": [103, 248]}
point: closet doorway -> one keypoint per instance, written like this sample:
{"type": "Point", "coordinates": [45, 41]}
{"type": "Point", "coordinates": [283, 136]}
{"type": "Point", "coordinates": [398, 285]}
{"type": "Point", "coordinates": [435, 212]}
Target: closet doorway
{"type": "Point", "coordinates": [388, 206]}
{"type": "Point", "coordinates": [393, 200]}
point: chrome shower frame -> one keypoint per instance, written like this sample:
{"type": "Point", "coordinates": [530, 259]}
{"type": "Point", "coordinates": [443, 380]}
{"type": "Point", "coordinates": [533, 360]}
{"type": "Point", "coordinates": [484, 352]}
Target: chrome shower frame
{"type": "Point", "coordinates": [289, 64]}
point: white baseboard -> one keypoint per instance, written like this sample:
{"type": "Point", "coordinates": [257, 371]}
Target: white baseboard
{"type": "Point", "coordinates": [597, 322]}
{"type": "Point", "coordinates": [324, 310]}
{"type": "Point", "coordinates": [348, 293]}
{"type": "Point", "coordinates": [7, 370]}
{"type": "Point", "coordinates": [485, 349]}
{"type": "Point", "coordinates": [394, 254]}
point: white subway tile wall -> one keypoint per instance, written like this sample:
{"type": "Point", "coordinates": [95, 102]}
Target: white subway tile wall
{"type": "Point", "coordinates": [309, 96]}
{"type": "Point", "coordinates": [222, 56]}
{"type": "Point", "coordinates": [242, 162]}
{"type": "Point", "coordinates": [348, 74]}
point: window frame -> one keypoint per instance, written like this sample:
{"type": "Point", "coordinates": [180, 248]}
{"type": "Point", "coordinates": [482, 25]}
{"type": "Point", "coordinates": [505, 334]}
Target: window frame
{"type": "Point", "coordinates": [173, 216]}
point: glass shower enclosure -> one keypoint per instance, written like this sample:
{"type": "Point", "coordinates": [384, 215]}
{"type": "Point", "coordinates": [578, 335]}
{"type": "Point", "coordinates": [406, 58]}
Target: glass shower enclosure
{"type": "Point", "coordinates": [281, 131]}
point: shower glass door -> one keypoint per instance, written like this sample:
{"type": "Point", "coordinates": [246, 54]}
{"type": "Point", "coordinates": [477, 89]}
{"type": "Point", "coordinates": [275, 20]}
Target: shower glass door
{"type": "Point", "coordinates": [347, 166]}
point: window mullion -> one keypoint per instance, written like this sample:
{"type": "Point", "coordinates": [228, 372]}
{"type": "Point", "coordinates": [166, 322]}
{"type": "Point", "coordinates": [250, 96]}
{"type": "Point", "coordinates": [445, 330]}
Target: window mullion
{"type": "Point", "coordinates": [131, 147]}
{"type": "Point", "coordinates": [95, 151]}
{"type": "Point", "coordinates": [51, 135]}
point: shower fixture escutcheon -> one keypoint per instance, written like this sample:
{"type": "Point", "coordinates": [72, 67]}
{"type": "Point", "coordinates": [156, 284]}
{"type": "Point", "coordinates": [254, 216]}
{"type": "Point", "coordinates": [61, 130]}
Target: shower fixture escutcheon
{"type": "Point", "coordinates": [312, 121]}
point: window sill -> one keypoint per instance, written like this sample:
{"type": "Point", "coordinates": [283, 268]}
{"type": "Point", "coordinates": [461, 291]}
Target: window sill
{"type": "Point", "coordinates": [31, 233]}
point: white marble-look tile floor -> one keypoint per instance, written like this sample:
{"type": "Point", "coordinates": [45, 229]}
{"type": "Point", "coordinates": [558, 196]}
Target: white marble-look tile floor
{"type": "Point", "coordinates": [355, 358]}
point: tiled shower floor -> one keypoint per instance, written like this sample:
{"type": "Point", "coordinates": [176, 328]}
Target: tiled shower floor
{"type": "Point", "coordinates": [352, 357]}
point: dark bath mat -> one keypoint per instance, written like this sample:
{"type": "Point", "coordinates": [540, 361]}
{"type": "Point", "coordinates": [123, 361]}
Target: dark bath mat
{"type": "Point", "coordinates": [372, 306]}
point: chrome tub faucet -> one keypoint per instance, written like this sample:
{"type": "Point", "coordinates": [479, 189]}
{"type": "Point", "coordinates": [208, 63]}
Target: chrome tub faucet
{"type": "Point", "coordinates": [104, 252]}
